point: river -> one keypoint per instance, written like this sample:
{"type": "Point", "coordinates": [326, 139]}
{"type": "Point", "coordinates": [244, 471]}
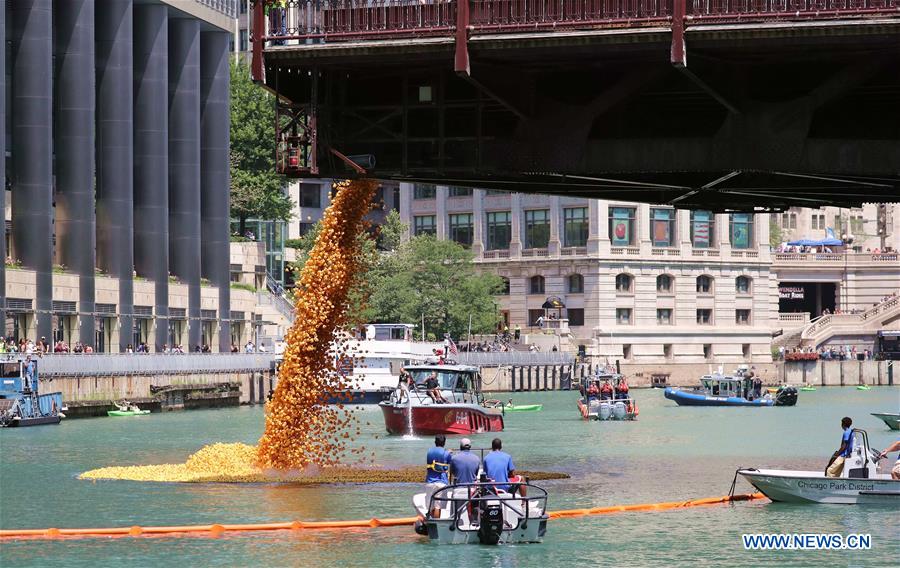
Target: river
{"type": "Point", "coordinates": [671, 453]}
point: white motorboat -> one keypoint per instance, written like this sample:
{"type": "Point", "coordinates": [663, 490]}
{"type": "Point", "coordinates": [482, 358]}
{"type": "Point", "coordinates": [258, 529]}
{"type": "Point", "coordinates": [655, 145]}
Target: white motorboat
{"type": "Point", "coordinates": [483, 513]}
{"type": "Point", "coordinates": [859, 483]}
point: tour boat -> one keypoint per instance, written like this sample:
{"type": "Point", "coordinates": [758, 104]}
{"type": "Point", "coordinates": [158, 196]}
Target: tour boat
{"type": "Point", "coordinates": [891, 419]}
{"type": "Point", "coordinates": [736, 390]}
{"type": "Point", "coordinates": [483, 513]}
{"type": "Point", "coordinates": [860, 481]}
{"type": "Point", "coordinates": [21, 403]}
{"type": "Point", "coordinates": [412, 410]}
{"type": "Point", "coordinates": [593, 406]}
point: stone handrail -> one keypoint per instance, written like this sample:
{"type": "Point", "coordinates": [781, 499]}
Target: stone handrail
{"type": "Point", "coordinates": [801, 317]}
{"type": "Point", "coordinates": [74, 365]}
{"type": "Point", "coordinates": [824, 327]}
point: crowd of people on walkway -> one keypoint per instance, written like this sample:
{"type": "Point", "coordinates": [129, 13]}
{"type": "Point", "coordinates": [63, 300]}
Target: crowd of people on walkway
{"type": "Point", "coordinates": [829, 353]}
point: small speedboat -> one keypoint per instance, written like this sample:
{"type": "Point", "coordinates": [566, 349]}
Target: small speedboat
{"type": "Point", "coordinates": [483, 513]}
{"type": "Point", "coordinates": [860, 481]}
{"type": "Point", "coordinates": [616, 404]}
{"type": "Point", "coordinates": [891, 419]}
{"type": "Point", "coordinates": [730, 390]}
{"type": "Point", "coordinates": [807, 389]}
{"type": "Point", "coordinates": [863, 388]}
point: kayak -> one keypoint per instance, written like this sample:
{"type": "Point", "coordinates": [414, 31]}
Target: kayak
{"type": "Point", "coordinates": [127, 412]}
{"type": "Point", "coordinates": [863, 388]}
{"type": "Point", "coordinates": [523, 407]}
{"type": "Point", "coordinates": [807, 389]}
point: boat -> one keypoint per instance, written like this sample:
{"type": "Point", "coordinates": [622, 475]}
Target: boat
{"type": "Point", "coordinates": [483, 513]}
{"type": "Point", "coordinates": [730, 390]}
{"type": "Point", "coordinates": [863, 388]}
{"type": "Point", "coordinates": [21, 402]}
{"type": "Point", "coordinates": [860, 481]}
{"type": "Point", "coordinates": [593, 406]}
{"type": "Point", "coordinates": [807, 389]}
{"type": "Point", "coordinates": [892, 419]}
{"type": "Point", "coordinates": [510, 407]}
{"type": "Point", "coordinates": [413, 411]}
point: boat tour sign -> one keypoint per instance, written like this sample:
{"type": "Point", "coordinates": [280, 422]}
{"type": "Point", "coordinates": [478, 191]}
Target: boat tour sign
{"type": "Point", "coordinates": [791, 293]}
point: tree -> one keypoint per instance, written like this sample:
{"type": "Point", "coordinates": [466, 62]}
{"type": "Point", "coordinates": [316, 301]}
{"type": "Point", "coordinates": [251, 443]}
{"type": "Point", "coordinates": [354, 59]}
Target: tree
{"type": "Point", "coordinates": [438, 280]}
{"type": "Point", "coordinates": [391, 231]}
{"type": "Point", "coordinates": [256, 189]}
{"type": "Point", "coordinates": [775, 234]}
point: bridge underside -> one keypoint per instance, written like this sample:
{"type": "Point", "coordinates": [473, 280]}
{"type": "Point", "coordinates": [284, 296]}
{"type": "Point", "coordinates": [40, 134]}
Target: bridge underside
{"type": "Point", "coordinates": [761, 116]}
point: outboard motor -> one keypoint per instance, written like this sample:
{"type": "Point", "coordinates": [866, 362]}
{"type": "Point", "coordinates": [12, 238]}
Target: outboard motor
{"type": "Point", "coordinates": [420, 527]}
{"type": "Point", "coordinates": [619, 410]}
{"type": "Point", "coordinates": [786, 396]}
{"type": "Point", "coordinates": [605, 411]}
{"type": "Point", "coordinates": [490, 528]}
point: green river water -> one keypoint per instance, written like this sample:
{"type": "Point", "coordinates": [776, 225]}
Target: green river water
{"type": "Point", "coordinates": [671, 453]}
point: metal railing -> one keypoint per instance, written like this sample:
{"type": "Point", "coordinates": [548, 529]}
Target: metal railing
{"type": "Point", "coordinates": [343, 20]}
{"type": "Point", "coordinates": [227, 7]}
{"type": "Point", "coordinates": [519, 358]}
{"type": "Point", "coordinates": [74, 365]}
{"type": "Point", "coordinates": [278, 300]}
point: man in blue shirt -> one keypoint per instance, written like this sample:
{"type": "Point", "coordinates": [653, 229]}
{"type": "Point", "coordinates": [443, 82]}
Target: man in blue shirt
{"type": "Point", "coordinates": [836, 465]}
{"type": "Point", "coordinates": [499, 466]}
{"type": "Point", "coordinates": [464, 464]}
{"type": "Point", "coordinates": [437, 465]}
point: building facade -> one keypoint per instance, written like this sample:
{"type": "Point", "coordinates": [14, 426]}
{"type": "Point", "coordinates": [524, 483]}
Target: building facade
{"type": "Point", "coordinates": [117, 200]}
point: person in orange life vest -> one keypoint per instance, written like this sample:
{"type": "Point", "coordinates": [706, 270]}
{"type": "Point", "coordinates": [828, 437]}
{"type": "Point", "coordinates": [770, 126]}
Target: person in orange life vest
{"type": "Point", "coordinates": [593, 391]}
{"type": "Point", "coordinates": [622, 389]}
{"type": "Point", "coordinates": [606, 391]}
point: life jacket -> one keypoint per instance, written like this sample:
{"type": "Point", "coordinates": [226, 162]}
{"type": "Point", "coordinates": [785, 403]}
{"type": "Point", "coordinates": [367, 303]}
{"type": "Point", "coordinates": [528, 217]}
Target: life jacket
{"type": "Point", "coordinates": [606, 387]}
{"type": "Point", "coordinates": [622, 387]}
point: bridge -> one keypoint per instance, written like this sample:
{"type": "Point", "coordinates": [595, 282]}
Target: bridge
{"type": "Point", "coordinates": [727, 104]}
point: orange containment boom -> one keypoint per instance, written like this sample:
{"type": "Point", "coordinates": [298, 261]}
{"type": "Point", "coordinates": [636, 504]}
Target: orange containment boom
{"type": "Point", "coordinates": [217, 529]}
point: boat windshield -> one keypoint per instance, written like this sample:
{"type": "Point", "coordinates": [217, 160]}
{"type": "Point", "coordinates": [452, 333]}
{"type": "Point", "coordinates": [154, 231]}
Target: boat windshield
{"type": "Point", "coordinates": [448, 380]}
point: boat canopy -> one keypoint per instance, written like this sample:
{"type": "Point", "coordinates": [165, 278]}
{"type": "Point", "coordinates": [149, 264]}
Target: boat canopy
{"type": "Point", "coordinates": [826, 242]}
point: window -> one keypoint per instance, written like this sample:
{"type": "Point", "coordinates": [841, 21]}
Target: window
{"type": "Point", "coordinates": [576, 284]}
{"type": "Point", "coordinates": [667, 350]}
{"type": "Point", "coordinates": [575, 226]}
{"type": "Point", "coordinates": [244, 41]}
{"type": "Point", "coordinates": [461, 228]}
{"type": "Point", "coordinates": [627, 352]}
{"type": "Point", "coordinates": [742, 317]}
{"type": "Point", "coordinates": [707, 351]}
{"type": "Point", "coordinates": [533, 316]}
{"type": "Point", "coordinates": [741, 230]}
{"type": "Point", "coordinates": [623, 316]}
{"type": "Point", "coordinates": [458, 191]}
{"type": "Point", "coordinates": [704, 316]}
{"type": "Point", "coordinates": [857, 224]}
{"type": "Point", "coordinates": [664, 283]}
{"type": "Point", "coordinates": [424, 225]}
{"type": "Point", "coordinates": [704, 284]}
{"type": "Point", "coordinates": [496, 192]}
{"type": "Point", "coordinates": [662, 227]}
{"type": "Point", "coordinates": [310, 195]}
{"type": "Point", "coordinates": [621, 226]}
{"type": "Point", "coordinates": [745, 350]}
{"type": "Point", "coordinates": [576, 317]}
{"type": "Point", "coordinates": [536, 285]}
{"type": "Point", "coordinates": [504, 286]}
{"type": "Point", "coordinates": [742, 285]}
{"type": "Point", "coordinates": [499, 230]}
{"type": "Point", "coordinates": [788, 220]}
{"type": "Point", "coordinates": [623, 283]}
{"type": "Point", "coordinates": [305, 228]}
{"type": "Point", "coordinates": [703, 229]}
{"type": "Point", "coordinates": [424, 191]}
{"type": "Point", "coordinates": [664, 316]}
{"type": "Point", "coordinates": [818, 221]}
{"type": "Point", "coordinates": [537, 228]}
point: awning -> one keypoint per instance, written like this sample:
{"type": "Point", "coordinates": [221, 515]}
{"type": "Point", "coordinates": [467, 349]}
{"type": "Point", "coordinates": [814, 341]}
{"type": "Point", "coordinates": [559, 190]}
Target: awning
{"type": "Point", "coordinates": [826, 242]}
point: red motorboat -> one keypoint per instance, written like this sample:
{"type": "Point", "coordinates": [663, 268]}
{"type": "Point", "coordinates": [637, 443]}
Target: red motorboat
{"type": "Point", "coordinates": [451, 403]}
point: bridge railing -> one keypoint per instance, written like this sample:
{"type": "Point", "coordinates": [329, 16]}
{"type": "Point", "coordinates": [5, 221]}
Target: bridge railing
{"type": "Point", "coordinates": [303, 21]}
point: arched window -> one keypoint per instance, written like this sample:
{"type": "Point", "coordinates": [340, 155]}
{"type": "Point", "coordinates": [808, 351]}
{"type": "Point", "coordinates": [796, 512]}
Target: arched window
{"type": "Point", "coordinates": [742, 284]}
{"type": "Point", "coordinates": [623, 283]}
{"type": "Point", "coordinates": [576, 284]}
{"type": "Point", "coordinates": [504, 288]}
{"type": "Point", "coordinates": [704, 284]}
{"type": "Point", "coordinates": [664, 283]}
{"type": "Point", "coordinates": [536, 285]}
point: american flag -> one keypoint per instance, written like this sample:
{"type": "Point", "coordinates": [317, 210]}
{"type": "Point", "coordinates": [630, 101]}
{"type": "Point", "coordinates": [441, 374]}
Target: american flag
{"type": "Point", "coordinates": [451, 347]}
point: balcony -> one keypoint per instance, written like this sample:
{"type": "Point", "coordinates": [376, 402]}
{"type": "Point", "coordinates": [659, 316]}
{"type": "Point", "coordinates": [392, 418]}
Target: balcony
{"type": "Point", "coordinates": [834, 259]}
{"type": "Point", "coordinates": [536, 252]}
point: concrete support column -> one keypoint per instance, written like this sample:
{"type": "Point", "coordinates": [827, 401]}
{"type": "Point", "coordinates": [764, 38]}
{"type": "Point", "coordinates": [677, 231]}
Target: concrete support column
{"type": "Point", "coordinates": [32, 148]}
{"type": "Point", "coordinates": [184, 164]}
{"type": "Point", "coordinates": [74, 148]}
{"type": "Point", "coordinates": [515, 240]}
{"type": "Point", "coordinates": [151, 159]}
{"type": "Point", "coordinates": [593, 242]}
{"type": "Point", "coordinates": [215, 80]}
{"type": "Point", "coordinates": [642, 227]}
{"type": "Point", "coordinates": [603, 227]}
{"type": "Point", "coordinates": [406, 215]}
{"type": "Point", "coordinates": [479, 220]}
{"type": "Point", "coordinates": [440, 203]}
{"type": "Point", "coordinates": [723, 233]}
{"type": "Point", "coordinates": [555, 220]}
{"type": "Point", "coordinates": [683, 226]}
{"type": "Point", "coordinates": [115, 154]}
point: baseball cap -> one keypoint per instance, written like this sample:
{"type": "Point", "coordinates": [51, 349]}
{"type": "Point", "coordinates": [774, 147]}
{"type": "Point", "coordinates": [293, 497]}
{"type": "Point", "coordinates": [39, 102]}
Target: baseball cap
{"type": "Point", "coordinates": [465, 443]}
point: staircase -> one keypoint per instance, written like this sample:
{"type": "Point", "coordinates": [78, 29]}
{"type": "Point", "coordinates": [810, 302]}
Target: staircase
{"type": "Point", "coordinates": [867, 323]}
